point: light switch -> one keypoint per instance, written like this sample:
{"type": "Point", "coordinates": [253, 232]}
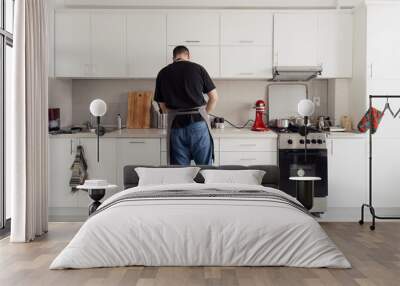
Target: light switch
{"type": "Point", "coordinates": [317, 101]}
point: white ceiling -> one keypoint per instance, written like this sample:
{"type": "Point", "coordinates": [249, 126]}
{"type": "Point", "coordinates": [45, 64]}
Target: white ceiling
{"type": "Point", "coordinates": [216, 3]}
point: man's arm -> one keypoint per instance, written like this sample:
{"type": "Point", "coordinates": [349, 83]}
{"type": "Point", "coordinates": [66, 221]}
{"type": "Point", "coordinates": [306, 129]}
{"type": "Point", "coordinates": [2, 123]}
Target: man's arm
{"type": "Point", "coordinates": [163, 107]}
{"type": "Point", "coordinates": [212, 100]}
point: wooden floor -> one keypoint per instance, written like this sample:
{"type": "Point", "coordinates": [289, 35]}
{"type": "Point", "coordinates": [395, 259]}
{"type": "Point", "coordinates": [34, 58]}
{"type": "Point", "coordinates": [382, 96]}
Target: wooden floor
{"type": "Point", "coordinates": [375, 257]}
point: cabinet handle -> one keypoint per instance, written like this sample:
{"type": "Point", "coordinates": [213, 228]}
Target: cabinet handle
{"type": "Point", "coordinates": [136, 142]}
{"type": "Point", "coordinates": [248, 159]}
{"type": "Point", "coordinates": [246, 41]}
{"type": "Point", "coordinates": [332, 147]}
{"type": "Point", "coordinates": [248, 145]}
{"type": "Point", "coordinates": [192, 41]}
{"type": "Point", "coordinates": [246, 73]}
{"type": "Point", "coordinates": [70, 146]}
{"type": "Point", "coordinates": [371, 71]}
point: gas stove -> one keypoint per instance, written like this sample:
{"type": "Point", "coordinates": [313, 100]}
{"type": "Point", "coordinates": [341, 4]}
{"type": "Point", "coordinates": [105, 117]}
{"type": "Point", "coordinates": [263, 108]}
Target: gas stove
{"type": "Point", "coordinates": [315, 140]}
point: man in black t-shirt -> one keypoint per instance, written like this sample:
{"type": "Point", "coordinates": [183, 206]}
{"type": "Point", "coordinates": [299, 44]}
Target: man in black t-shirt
{"type": "Point", "coordinates": [181, 86]}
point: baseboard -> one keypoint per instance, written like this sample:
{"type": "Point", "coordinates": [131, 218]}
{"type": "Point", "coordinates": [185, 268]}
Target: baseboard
{"type": "Point", "coordinates": [353, 214]}
{"type": "Point", "coordinates": [70, 214]}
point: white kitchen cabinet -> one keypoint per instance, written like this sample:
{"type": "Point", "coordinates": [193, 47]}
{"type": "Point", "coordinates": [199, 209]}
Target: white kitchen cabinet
{"type": "Point", "coordinates": [105, 169]}
{"type": "Point", "coordinates": [248, 158]}
{"type": "Point", "coordinates": [108, 44]}
{"type": "Point", "coordinates": [335, 44]}
{"type": "Point", "coordinates": [61, 157]}
{"type": "Point", "coordinates": [246, 62]}
{"type": "Point", "coordinates": [146, 42]}
{"type": "Point", "coordinates": [383, 41]}
{"type": "Point", "coordinates": [193, 28]}
{"type": "Point", "coordinates": [296, 39]}
{"type": "Point", "coordinates": [248, 145]}
{"type": "Point", "coordinates": [206, 56]}
{"type": "Point", "coordinates": [347, 172]}
{"type": "Point", "coordinates": [137, 151]}
{"type": "Point", "coordinates": [249, 151]}
{"type": "Point", "coordinates": [72, 44]}
{"type": "Point", "coordinates": [246, 28]}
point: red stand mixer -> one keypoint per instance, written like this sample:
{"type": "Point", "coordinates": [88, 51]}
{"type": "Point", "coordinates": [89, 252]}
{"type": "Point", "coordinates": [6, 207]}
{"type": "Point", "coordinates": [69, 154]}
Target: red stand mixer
{"type": "Point", "coordinates": [259, 124]}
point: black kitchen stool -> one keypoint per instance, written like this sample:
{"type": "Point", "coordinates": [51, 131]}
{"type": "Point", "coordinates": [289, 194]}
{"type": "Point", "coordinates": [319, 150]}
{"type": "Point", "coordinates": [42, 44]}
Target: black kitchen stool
{"type": "Point", "coordinates": [305, 190]}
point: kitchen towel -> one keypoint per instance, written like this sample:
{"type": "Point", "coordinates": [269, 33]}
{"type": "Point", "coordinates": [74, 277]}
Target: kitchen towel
{"type": "Point", "coordinates": [371, 119]}
{"type": "Point", "coordinates": [79, 169]}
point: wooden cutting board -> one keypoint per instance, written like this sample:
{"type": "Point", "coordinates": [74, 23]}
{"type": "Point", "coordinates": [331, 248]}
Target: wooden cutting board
{"type": "Point", "coordinates": [139, 104]}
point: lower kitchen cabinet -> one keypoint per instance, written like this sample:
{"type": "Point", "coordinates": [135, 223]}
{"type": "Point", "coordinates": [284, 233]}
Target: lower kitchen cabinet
{"type": "Point", "coordinates": [61, 156]}
{"type": "Point", "coordinates": [248, 158]}
{"type": "Point", "coordinates": [62, 153]}
{"type": "Point", "coordinates": [137, 151]}
{"type": "Point", "coordinates": [347, 172]}
{"type": "Point", "coordinates": [238, 151]}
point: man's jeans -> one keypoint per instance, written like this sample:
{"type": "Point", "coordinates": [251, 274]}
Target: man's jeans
{"type": "Point", "coordinates": [192, 142]}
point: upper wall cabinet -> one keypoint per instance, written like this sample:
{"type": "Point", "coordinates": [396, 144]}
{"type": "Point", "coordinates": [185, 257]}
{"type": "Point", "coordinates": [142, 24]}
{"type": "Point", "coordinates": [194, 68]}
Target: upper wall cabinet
{"type": "Point", "coordinates": [246, 62]}
{"type": "Point", "coordinates": [193, 28]}
{"type": "Point", "coordinates": [335, 44]}
{"type": "Point", "coordinates": [146, 42]}
{"type": "Point", "coordinates": [295, 39]}
{"type": "Point", "coordinates": [72, 49]}
{"type": "Point", "coordinates": [315, 39]}
{"type": "Point", "coordinates": [383, 42]}
{"type": "Point", "coordinates": [246, 28]}
{"type": "Point", "coordinates": [108, 44]}
{"type": "Point", "coordinates": [207, 56]}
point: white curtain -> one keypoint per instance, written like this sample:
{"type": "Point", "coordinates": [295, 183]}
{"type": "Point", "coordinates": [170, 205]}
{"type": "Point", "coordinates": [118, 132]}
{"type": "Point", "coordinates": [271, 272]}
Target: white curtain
{"type": "Point", "coordinates": [27, 123]}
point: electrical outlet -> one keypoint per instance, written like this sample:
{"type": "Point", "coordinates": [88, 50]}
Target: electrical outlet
{"type": "Point", "coordinates": [317, 101]}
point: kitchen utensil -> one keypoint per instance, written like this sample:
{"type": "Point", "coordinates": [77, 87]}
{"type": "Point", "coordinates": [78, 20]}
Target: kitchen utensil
{"type": "Point", "coordinates": [282, 123]}
{"type": "Point", "coordinates": [139, 104]}
{"type": "Point", "coordinates": [324, 123]}
{"type": "Point", "coordinates": [346, 123]}
{"type": "Point", "coordinates": [119, 121]}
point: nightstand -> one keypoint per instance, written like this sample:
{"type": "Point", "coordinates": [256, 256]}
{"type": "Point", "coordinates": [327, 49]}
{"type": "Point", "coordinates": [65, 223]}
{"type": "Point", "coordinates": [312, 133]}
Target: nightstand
{"type": "Point", "coordinates": [96, 190]}
{"type": "Point", "coordinates": [305, 190]}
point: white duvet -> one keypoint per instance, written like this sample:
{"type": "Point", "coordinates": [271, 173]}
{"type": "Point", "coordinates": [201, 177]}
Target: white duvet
{"type": "Point", "coordinates": [193, 231]}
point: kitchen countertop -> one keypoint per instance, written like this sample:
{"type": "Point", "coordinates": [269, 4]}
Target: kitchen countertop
{"type": "Point", "coordinates": [217, 133]}
{"type": "Point", "coordinates": [160, 133]}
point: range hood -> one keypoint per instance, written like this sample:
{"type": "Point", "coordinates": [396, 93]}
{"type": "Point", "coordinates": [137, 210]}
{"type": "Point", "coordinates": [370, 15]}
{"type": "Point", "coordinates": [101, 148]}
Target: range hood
{"type": "Point", "coordinates": [299, 73]}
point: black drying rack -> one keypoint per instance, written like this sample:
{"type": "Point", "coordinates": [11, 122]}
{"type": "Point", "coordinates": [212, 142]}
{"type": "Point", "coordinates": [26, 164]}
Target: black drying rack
{"type": "Point", "coordinates": [370, 203]}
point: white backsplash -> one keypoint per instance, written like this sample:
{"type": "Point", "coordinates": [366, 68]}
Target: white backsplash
{"type": "Point", "coordinates": [236, 97]}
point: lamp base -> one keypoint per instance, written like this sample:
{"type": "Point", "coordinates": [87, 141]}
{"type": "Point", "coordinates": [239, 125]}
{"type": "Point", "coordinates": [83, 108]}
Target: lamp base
{"type": "Point", "coordinates": [101, 131]}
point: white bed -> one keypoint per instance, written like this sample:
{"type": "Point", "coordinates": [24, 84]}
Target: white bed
{"type": "Point", "coordinates": [202, 231]}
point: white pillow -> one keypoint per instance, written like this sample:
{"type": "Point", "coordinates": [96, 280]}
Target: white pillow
{"type": "Point", "coordinates": [166, 176]}
{"type": "Point", "coordinates": [248, 177]}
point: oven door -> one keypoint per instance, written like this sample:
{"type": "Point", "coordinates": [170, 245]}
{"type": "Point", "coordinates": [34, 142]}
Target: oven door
{"type": "Point", "coordinates": [294, 163]}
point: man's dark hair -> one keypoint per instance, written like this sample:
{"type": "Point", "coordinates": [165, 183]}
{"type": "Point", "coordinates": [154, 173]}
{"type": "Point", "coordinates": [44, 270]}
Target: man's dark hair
{"type": "Point", "coordinates": [179, 50]}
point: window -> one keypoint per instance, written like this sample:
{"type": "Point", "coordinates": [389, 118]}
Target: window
{"type": "Point", "coordinates": [6, 44]}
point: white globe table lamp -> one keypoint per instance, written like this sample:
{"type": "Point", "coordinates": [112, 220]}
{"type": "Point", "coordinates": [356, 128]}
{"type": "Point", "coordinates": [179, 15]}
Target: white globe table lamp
{"type": "Point", "coordinates": [98, 108]}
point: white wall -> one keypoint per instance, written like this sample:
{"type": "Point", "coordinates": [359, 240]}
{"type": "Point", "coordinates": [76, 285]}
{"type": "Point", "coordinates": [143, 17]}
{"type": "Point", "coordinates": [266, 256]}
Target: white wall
{"type": "Point", "coordinates": [339, 100]}
{"type": "Point", "coordinates": [60, 96]}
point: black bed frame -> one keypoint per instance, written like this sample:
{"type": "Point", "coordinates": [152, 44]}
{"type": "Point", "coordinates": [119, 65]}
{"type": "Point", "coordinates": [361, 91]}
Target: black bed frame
{"type": "Point", "coordinates": [270, 179]}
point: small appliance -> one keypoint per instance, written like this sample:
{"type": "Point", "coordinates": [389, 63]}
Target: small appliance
{"type": "Point", "coordinates": [54, 119]}
{"type": "Point", "coordinates": [259, 124]}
